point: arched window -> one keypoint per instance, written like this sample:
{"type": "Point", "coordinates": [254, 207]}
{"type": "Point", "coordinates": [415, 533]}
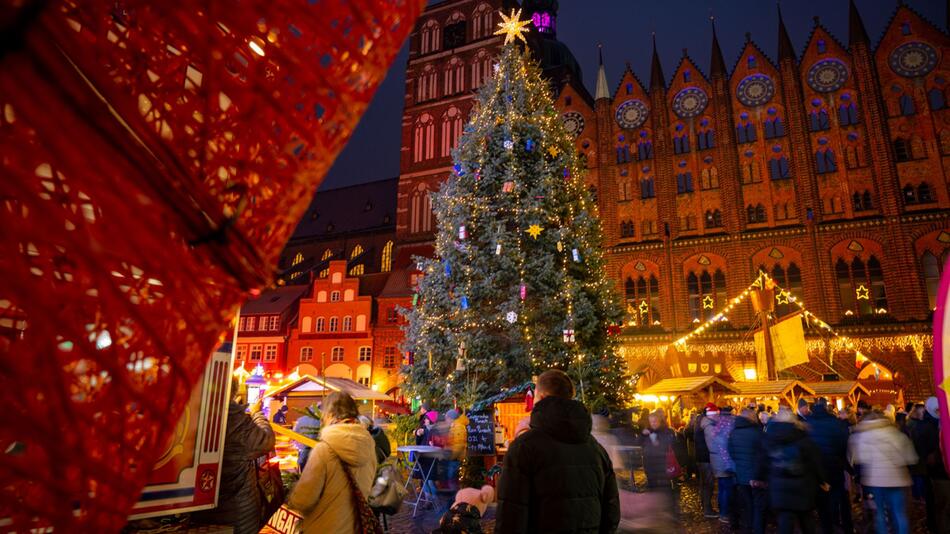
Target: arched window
{"type": "Point", "coordinates": [347, 324]}
{"type": "Point", "coordinates": [451, 130]}
{"type": "Point", "coordinates": [709, 178]}
{"type": "Point", "coordinates": [750, 173]}
{"type": "Point", "coordinates": [357, 270]}
{"type": "Point", "coordinates": [298, 259]}
{"type": "Point", "coordinates": [902, 150]}
{"type": "Point", "coordinates": [774, 128]}
{"type": "Point", "coordinates": [424, 138]}
{"type": "Point", "coordinates": [706, 139]}
{"type": "Point", "coordinates": [779, 168]}
{"type": "Point", "coordinates": [647, 188]}
{"type": "Point", "coordinates": [931, 268]}
{"type": "Point", "coordinates": [861, 286]}
{"type": "Point", "coordinates": [427, 84]}
{"type": "Point", "coordinates": [366, 354]}
{"type": "Point", "coordinates": [482, 21]}
{"type": "Point", "coordinates": [935, 99]}
{"type": "Point", "coordinates": [847, 114]}
{"type": "Point", "coordinates": [327, 254]}
{"type": "Point", "coordinates": [421, 211]}
{"type": "Point", "coordinates": [481, 68]}
{"type": "Point", "coordinates": [825, 161]}
{"type": "Point", "coordinates": [334, 323]}
{"type": "Point", "coordinates": [818, 120]}
{"type": "Point", "coordinates": [454, 77]}
{"type": "Point", "coordinates": [320, 324]}
{"type": "Point", "coordinates": [745, 133]}
{"type": "Point", "coordinates": [336, 354]}
{"type": "Point", "coordinates": [386, 263]}
{"type": "Point", "coordinates": [925, 194]}
{"type": "Point", "coordinates": [790, 280]}
{"type": "Point", "coordinates": [706, 293]}
{"type": "Point", "coordinates": [643, 300]}
{"type": "Point", "coordinates": [430, 37]}
{"type": "Point", "coordinates": [356, 252]}
{"type": "Point", "coordinates": [862, 201]}
{"type": "Point", "coordinates": [305, 324]}
{"type": "Point", "coordinates": [625, 186]}
{"type": "Point", "coordinates": [306, 354]}
{"type": "Point", "coordinates": [756, 214]}
{"type": "Point", "coordinates": [906, 105]}
{"type": "Point", "coordinates": [910, 194]}
{"type": "Point", "coordinates": [644, 150]}
{"type": "Point", "coordinates": [713, 219]}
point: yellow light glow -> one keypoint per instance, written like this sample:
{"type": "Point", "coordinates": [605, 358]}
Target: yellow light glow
{"type": "Point", "coordinates": [750, 374]}
{"type": "Point", "coordinates": [257, 46]}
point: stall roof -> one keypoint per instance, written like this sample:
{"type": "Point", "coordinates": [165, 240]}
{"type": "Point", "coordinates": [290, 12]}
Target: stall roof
{"type": "Point", "coordinates": [771, 387]}
{"type": "Point", "coordinates": [309, 383]}
{"type": "Point", "coordinates": [837, 387]}
{"type": "Point", "coordinates": [676, 386]}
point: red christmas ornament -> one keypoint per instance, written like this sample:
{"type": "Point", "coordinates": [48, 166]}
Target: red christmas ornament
{"type": "Point", "coordinates": [156, 156]}
{"type": "Point", "coordinates": [529, 401]}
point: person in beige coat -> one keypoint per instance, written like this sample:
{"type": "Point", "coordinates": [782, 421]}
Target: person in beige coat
{"type": "Point", "coordinates": [884, 454]}
{"type": "Point", "coordinates": [323, 494]}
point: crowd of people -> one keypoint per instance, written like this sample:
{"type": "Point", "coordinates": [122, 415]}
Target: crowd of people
{"type": "Point", "coordinates": [797, 468]}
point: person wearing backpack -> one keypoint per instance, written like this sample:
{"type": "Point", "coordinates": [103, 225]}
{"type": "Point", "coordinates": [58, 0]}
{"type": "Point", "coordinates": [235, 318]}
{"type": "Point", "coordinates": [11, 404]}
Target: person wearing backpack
{"type": "Point", "coordinates": [792, 468]}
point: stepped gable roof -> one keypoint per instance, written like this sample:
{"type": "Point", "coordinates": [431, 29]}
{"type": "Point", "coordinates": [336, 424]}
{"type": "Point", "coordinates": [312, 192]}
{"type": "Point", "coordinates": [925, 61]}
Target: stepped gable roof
{"type": "Point", "coordinates": [811, 35]}
{"type": "Point", "coordinates": [901, 5]}
{"type": "Point", "coordinates": [623, 75]}
{"type": "Point", "coordinates": [683, 59]}
{"type": "Point", "coordinates": [274, 301]}
{"type": "Point", "coordinates": [356, 208]}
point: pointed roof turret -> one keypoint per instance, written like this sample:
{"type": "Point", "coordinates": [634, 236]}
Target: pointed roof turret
{"type": "Point", "coordinates": [717, 65]}
{"type": "Point", "coordinates": [856, 31]}
{"type": "Point", "coordinates": [601, 91]}
{"type": "Point", "coordinates": [656, 70]}
{"type": "Point", "coordinates": [785, 48]}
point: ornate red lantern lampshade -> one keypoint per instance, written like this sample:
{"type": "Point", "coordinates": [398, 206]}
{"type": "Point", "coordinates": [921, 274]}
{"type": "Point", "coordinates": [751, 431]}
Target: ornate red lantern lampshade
{"type": "Point", "coordinates": [156, 156]}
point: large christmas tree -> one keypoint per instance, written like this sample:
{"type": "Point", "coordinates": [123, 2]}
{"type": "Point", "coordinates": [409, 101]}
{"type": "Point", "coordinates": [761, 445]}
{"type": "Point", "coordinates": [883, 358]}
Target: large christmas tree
{"type": "Point", "coordinates": [517, 284]}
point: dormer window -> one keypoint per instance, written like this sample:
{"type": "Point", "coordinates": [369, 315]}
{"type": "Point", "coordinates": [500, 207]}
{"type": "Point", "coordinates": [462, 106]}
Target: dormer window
{"type": "Point", "coordinates": [752, 64]}
{"type": "Point", "coordinates": [822, 46]}
{"type": "Point", "coordinates": [544, 22]}
{"type": "Point", "coordinates": [686, 75]}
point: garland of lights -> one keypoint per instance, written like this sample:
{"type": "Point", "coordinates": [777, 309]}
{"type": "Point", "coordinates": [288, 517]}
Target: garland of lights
{"type": "Point", "coordinates": [837, 342]}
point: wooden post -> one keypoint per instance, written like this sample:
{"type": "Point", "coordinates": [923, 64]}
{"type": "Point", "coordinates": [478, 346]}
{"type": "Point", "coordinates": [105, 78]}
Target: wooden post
{"type": "Point", "coordinates": [763, 302]}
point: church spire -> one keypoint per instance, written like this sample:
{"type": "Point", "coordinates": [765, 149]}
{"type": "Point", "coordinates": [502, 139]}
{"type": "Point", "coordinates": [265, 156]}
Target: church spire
{"type": "Point", "coordinates": [717, 64]}
{"type": "Point", "coordinates": [856, 31]}
{"type": "Point", "coordinates": [601, 91]}
{"type": "Point", "coordinates": [785, 48]}
{"type": "Point", "coordinates": [656, 71]}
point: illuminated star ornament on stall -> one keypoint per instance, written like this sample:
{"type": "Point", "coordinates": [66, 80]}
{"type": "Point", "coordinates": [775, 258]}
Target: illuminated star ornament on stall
{"type": "Point", "coordinates": [512, 27]}
{"type": "Point", "coordinates": [193, 128]}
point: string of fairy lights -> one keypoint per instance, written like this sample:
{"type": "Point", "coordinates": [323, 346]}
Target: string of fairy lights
{"type": "Point", "coordinates": [782, 296]}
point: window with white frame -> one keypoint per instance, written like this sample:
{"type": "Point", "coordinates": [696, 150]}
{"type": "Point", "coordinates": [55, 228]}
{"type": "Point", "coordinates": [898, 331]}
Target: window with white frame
{"type": "Point", "coordinates": [321, 324]}
{"type": "Point", "coordinates": [270, 352]}
{"type": "Point", "coordinates": [241, 353]}
{"type": "Point", "coordinates": [420, 211]}
{"type": "Point", "coordinates": [423, 138]}
{"type": "Point", "coordinates": [256, 353]}
{"type": "Point", "coordinates": [451, 130]}
{"type": "Point", "coordinates": [242, 324]}
{"type": "Point", "coordinates": [430, 37]}
{"type": "Point", "coordinates": [482, 21]}
{"type": "Point", "coordinates": [347, 324]}
{"type": "Point", "coordinates": [336, 355]}
{"type": "Point", "coordinates": [306, 354]}
{"type": "Point", "coordinates": [274, 323]}
{"type": "Point", "coordinates": [366, 354]}
{"type": "Point", "coordinates": [334, 322]}
{"type": "Point", "coordinates": [251, 324]}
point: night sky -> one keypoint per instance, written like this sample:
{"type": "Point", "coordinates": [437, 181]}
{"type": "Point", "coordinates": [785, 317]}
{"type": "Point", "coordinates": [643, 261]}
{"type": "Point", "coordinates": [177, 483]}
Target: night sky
{"type": "Point", "coordinates": [625, 27]}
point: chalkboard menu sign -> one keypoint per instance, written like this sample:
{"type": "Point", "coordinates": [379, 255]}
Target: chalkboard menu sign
{"type": "Point", "coordinates": [481, 433]}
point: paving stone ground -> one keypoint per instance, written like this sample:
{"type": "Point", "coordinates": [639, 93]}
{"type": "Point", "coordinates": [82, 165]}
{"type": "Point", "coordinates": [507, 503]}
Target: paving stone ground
{"type": "Point", "coordinates": [644, 514]}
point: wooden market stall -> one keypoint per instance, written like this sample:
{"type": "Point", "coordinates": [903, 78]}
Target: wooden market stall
{"type": "Point", "coordinates": [773, 391]}
{"type": "Point", "coordinates": [690, 392]}
{"type": "Point", "coordinates": [308, 390]}
{"type": "Point", "coordinates": [849, 392]}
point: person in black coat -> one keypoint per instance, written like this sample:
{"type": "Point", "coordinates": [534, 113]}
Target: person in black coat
{"type": "Point", "coordinates": [830, 435]}
{"type": "Point", "coordinates": [745, 449]}
{"type": "Point", "coordinates": [792, 468]}
{"type": "Point", "coordinates": [707, 479]}
{"type": "Point", "coordinates": [656, 440]}
{"type": "Point", "coordinates": [926, 437]}
{"type": "Point", "coordinates": [556, 477]}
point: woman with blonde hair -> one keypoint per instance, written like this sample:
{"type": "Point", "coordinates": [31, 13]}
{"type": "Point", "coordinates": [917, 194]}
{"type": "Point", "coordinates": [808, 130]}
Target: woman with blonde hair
{"type": "Point", "coordinates": [339, 473]}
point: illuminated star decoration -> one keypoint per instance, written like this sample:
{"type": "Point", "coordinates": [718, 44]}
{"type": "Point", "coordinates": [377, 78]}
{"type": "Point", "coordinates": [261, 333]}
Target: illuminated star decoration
{"type": "Point", "coordinates": [512, 27]}
{"type": "Point", "coordinates": [708, 302]}
{"type": "Point", "coordinates": [782, 298]}
{"type": "Point", "coordinates": [534, 231]}
{"type": "Point", "coordinates": [644, 307]}
{"type": "Point", "coordinates": [553, 151]}
{"type": "Point", "coordinates": [863, 293]}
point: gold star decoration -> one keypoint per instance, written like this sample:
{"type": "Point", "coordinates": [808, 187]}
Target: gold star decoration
{"type": "Point", "coordinates": [512, 27]}
{"type": "Point", "coordinates": [782, 297]}
{"type": "Point", "coordinates": [644, 307]}
{"type": "Point", "coordinates": [553, 151]}
{"type": "Point", "coordinates": [708, 302]}
{"type": "Point", "coordinates": [534, 230]}
{"type": "Point", "coordinates": [863, 293]}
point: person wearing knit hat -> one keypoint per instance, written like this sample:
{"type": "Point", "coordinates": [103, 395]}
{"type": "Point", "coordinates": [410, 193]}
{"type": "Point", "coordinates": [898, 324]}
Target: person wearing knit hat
{"type": "Point", "coordinates": [711, 409]}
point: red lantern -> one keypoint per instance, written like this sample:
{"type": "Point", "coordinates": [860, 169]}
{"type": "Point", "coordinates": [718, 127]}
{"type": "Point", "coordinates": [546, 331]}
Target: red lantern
{"type": "Point", "coordinates": [157, 156]}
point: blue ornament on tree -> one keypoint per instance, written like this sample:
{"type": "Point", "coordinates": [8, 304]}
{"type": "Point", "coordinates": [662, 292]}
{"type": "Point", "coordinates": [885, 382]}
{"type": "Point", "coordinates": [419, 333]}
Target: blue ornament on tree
{"type": "Point", "coordinates": [448, 269]}
{"type": "Point", "coordinates": [464, 302]}
{"type": "Point", "coordinates": [529, 145]}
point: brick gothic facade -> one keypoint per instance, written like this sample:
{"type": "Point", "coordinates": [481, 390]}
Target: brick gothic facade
{"type": "Point", "coordinates": [810, 167]}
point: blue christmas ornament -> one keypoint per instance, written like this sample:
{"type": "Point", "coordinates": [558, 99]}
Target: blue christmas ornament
{"type": "Point", "coordinates": [458, 170]}
{"type": "Point", "coordinates": [464, 302]}
{"type": "Point", "coordinates": [448, 269]}
{"type": "Point", "coordinates": [529, 145]}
